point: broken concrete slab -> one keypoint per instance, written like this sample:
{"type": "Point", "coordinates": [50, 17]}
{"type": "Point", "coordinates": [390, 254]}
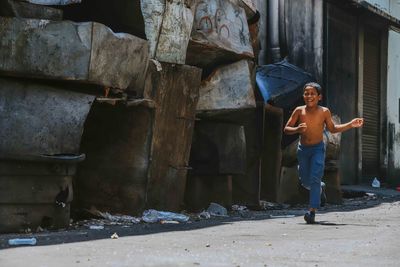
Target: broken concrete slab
{"type": "Point", "coordinates": [37, 120]}
{"type": "Point", "coordinates": [229, 88]}
{"type": "Point", "coordinates": [63, 50]}
{"type": "Point", "coordinates": [15, 8]}
{"type": "Point", "coordinates": [220, 34]}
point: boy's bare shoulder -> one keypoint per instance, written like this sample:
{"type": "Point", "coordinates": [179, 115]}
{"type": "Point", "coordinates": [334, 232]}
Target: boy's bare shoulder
{"type": "Point", "coordinates": [325, 109]}
{"type": "Point", "coordinates": [299, 108]}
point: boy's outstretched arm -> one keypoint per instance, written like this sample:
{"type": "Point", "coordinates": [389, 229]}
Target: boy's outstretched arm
{"type": "Point", "coordinates": [290, 127]}
{"type": "Point", "coordinates": [338, 128]}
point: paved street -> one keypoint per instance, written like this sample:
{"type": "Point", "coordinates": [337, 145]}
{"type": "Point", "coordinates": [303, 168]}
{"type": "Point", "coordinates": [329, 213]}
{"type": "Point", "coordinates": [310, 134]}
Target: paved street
{"type": "Point", "coordinates": [363, 232]}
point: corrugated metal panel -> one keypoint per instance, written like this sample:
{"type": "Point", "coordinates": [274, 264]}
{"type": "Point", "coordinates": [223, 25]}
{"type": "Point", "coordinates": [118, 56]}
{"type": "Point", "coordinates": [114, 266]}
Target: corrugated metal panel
{"type": "Point", "coordinates": [371, 106]}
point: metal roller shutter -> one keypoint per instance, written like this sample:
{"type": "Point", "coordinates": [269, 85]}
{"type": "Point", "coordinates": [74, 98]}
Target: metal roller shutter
{"type": "Point", "coordinates": [371, 105]}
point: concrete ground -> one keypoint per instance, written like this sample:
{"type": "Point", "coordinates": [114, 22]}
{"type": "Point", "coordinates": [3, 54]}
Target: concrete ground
{"type": "Point", "coordinates": [364, 231]}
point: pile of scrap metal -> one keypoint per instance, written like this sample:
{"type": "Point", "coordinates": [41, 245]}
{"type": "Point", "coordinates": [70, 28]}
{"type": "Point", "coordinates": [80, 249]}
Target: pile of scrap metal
{"type": "Point", "coordinates": [114, 87]}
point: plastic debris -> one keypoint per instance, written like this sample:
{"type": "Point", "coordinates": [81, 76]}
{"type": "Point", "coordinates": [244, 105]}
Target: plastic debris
{"type": "Point", "coordinates": [96, 227]}
{"type": "Point", "coordinates": [114, 236]}
{"type": "Point", "coordinates": [152, 216]}
{"type": "Point", "coordinates": [169, 222]}
{"type": "Point", "coordinates": [376, 183]}
{"type": "Point", "coordinates": [119, 218]}
{"type": "Point", "coordinates": [217, 210]}
{"type": "Point", "coordinates": [22, 241]}
{"type": "Point", "coordinates": [238, 208]}
{"type": "Point", "coordinates": [204, 215]}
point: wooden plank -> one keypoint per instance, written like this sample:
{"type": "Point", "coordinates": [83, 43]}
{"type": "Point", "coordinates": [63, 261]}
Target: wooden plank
{"type": "Point", "coordinates": [64, 50]}
{"type": "Point", "coordinates": [220, 34]}
{"type": "Point", "coordinates": [226, 89]}
{"type": "Point", "coordinates": [174, 88]}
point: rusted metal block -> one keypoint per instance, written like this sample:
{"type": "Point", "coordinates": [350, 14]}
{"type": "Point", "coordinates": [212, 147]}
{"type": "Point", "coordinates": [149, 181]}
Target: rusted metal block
{"type": "Point", "coordinates": [63, 50]}
{"type": "Point", "coordinates": [116, 142]}
{"type": "Point", "coordinates": [15, 8]}
{"type": "Point", "coordinates": [39, 119]}
{"type": "Point", "coordinates": [202, 190]}
{"type": "Point", "coordinates": [271, 156]}
{"type": "Point", "coordinates": [226, 89]}
{"type": "Point", "coordinates": [35, 194]}
{"type": "Point", "coordinates": [218, 148]}
{"type": "Point", "coordinates": [165, 24]}
{"type": "Point", "coordinates": [168, 27]}
{"type": "Point", "coordinates": [220, 34]}
{"type": "Point", "coordinates": [174, 88]}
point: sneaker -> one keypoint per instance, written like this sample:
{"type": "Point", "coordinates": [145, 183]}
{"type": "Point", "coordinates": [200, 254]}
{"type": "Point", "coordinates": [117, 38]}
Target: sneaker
{"type": "Point", "coordinates": [323, 194]}
{"type": "Point", "coordinates": [309, 217]}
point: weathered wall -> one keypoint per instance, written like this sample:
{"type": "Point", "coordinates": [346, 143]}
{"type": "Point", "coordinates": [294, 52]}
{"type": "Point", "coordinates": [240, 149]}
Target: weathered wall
{"type": "Point", "coordinates": [304, 30]}
{"type": "Point", "coordinates": [393, 107]}
{"type": "Point", "coordinates": [341, 82]}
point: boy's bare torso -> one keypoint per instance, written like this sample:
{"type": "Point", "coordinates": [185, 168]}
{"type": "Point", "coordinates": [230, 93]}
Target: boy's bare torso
{"type": "Point", "coordinates": [315, 119]}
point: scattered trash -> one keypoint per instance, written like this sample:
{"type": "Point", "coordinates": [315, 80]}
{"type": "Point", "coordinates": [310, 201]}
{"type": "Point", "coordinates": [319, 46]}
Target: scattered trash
{"type": "Point", "coordinates": [96, 227]}
{"type": "Point", "coordinates": [282, 216]}
{"type": "Point", "coordinates": [114, 236]}
{"type": "Point", "coordinates": [265, 205]}
{"type": "Point", "coordinates": [119, 218]}
{"type": "Point", "coordinates": [238, 208]}
{"type": "Point", "coordinates": [204, 215]}
{"type": "Point", "coordinates": [208, 245]}
{"type": "Point", "coordinates": [39, 229]}
{"type": "Point", "coordinates": [22, 241]}
{"type": "Point", "coordinates": [371, 195]}
{"type": "Point", "coordinates": [116, 219]}
{"type": "Point", "coordinates": [376, 183]}
{"type": "Point", "coordinates": [152, 216]}
{"type": "Point", "coordinates": [217, 210]}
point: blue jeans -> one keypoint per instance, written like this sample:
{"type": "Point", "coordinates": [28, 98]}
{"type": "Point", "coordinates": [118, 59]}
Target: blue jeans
{"type": "Point", "coordinates": [311, 169]}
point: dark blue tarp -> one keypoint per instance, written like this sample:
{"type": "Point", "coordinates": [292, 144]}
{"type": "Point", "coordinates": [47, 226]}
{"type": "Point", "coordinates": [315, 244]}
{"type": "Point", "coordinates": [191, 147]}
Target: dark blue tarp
{"type": "Point", "coordinates": [281, 84]}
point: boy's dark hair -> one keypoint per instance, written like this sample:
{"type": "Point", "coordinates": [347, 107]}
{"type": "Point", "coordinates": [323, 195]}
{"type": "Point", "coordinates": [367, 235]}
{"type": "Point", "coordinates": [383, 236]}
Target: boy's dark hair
{"type": "Point", "coordinates": [314, 85]}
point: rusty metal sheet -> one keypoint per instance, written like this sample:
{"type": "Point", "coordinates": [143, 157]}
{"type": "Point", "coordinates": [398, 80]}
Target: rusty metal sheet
{"type": "Point", "coordinates": [220, 34]}
{"type": "Point", "coordinates": [116, 142]}
{"type": "Point", "coordinates": [39, 119]}
{"type": "Point", "coordinates": [228, 88]}
{"type": "Point", "coordinates": [175, 90]}
{"type": "Point", "coordinates": [15, 8]}
{"type": "Point", "coordinates": [64, 50]}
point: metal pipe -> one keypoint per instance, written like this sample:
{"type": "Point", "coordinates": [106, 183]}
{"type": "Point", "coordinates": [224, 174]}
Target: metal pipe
{"type": "Point", "coordinates": [273, 30]}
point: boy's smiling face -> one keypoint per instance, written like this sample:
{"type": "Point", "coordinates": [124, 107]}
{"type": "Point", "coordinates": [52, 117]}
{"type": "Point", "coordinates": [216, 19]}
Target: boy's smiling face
{"type": "Point", "coordinates": [311, 96]}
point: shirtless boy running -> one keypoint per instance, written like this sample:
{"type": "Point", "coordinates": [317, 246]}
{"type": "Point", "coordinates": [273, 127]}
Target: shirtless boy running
{"type": "Point", "coordinates": [311, 119]}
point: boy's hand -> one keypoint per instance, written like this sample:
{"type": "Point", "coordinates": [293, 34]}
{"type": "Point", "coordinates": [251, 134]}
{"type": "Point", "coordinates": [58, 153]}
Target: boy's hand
{"type": "Point", "coordinates": [302, 127]}
{"type": "Point", "coordinates": [357, 122]}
